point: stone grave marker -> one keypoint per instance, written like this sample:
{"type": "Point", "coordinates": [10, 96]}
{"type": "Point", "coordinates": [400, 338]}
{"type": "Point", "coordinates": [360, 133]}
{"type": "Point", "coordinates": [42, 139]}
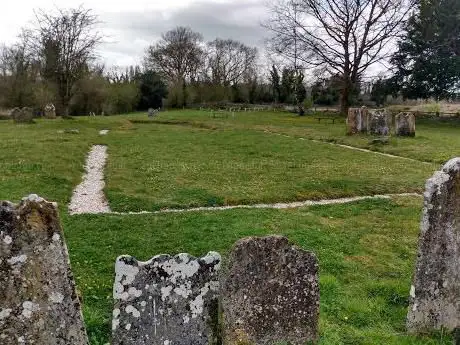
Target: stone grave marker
{"type": "Point", "coordinates": [357, 120]}
{"type": "Point", "coordinates": [270, 293]}
{"type": "Point", "coordinates": [379, 122]}
{"type": "Point", "coordinates": [50, 111]}
{"type": "Point", "coordinates": [405, 124]}
{"type": "Point", "coordinates": [38, 301]}
{"type": "Point", "coordinates": [166, 300]}
{"type": "Point", "coordinates": [24, 115]}
{"type": "Point", "coordinates": [435, 291]}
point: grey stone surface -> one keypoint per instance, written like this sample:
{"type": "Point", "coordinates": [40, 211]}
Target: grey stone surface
{"type": "Point", "coordinates": [166, 300]}
{"type": "Point", "coordinates": [152, 112]}
{"type": "Point", "coordinates": [23, 115]}
{"type": "Point", "coordinates": [50, 111]}
{"type": "Point", "coordinates": [435, 291]}
{"type": "Point", "coordinates": [357, 120]}
{"type": "Point", "coordinates": [405, 124]}
{"type": "Point", "coordinates": [379, 122]}
{"type": "Point", "coordinates": [15, 112]}
{"type": "Point", "coordinates": [270, 293]}
{"type": "Point", "coordinates": [38, 301]}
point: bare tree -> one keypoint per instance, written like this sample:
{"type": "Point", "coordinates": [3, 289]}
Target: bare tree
{"type": "Point", "coordinates": [343, 37]}
{"type": "Point", "coordinates": [65, 43]}
{"type": "Point", "coordinates": [18, 72]}
{"type": "Point", "coordinates": [178, 55]}
{"type": "Point", "coordinates": [229, 61]}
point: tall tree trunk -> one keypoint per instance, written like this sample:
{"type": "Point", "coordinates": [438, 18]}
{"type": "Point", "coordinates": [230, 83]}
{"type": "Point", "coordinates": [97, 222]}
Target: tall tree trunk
{"type": "Point", "coordinates": [345, 98]}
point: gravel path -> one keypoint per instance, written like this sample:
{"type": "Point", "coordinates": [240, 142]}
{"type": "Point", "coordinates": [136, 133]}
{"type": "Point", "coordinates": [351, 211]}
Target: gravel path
{"type": "Point", "coordinates": [279, 206]}
{"type": "Point", "coordinates": [89, 197]}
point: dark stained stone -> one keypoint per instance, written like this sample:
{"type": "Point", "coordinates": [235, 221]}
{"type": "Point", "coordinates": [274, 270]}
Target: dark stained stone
{"type": "Point", "coordinates": [379, 122]}
{"type": "Point", "coordinates": [38, 301]}
{"type": "Point", "coordinates": [166, 300]}
{"type": "Point", "coordinates": [24, 115]}
{"type": "Point", "coordinates": [405, 124]}
{"type": "Point", "coordinates": [435, 291]}
{"type": "Point", "coordinates": [270, 293]}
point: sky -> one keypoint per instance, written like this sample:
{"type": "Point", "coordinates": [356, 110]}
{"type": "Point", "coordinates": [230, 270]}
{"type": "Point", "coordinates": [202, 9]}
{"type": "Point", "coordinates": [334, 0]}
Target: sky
{"type": "Point", "coordinates": [129, 26]}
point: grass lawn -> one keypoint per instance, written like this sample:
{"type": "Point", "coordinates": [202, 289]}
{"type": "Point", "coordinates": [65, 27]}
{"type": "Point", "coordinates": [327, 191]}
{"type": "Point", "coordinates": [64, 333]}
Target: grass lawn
{"type": "Point", "coordinates": [366, 249]}
{"type": "Point", "coordinates": [436, 141]}
{"type": "Point", "coordinates": [366, 252]}
{"type": "Point", "coordinates": [154, 165]}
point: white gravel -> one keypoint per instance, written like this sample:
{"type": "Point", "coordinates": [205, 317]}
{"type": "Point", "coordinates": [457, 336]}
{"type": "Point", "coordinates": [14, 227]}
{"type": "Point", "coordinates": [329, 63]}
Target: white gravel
{"type": "Point", "coordinates": [89, 196]}
{"type": "Point", "coordinates": [288, 205]}
{"type": "Point", "coordinates": [103, 132]}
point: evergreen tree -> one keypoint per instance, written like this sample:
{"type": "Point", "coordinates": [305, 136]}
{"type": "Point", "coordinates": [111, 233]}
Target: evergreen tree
{"type": "Point", "coordinates": [428, 60]}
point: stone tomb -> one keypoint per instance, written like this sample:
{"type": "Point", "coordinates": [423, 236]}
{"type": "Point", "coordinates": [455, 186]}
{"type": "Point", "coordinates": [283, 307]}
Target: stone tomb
{"type": "Point", "coordinates": [38, 301]}
{"type": "Point", "coordinates": [405, 124]}
{"type": "Point", "coordinates": [435, 291]}
{"type": "Point", "coordinates": [166, 300]}
{"type": "Point", "coordinates": [357, 120]}
{"type": "Point", "coordinates": [270, 294]}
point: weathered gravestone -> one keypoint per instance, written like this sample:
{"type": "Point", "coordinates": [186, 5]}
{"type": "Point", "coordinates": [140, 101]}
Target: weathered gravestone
{"type": "Point", "coordinates": [405, 124]}
{"type": "Point", "coordinates": [24, 115]}
{"type": "Point", "coordinates": [379, 122]}
{"type": "Point", "coordinates": [270, 294]}
{"type": "Point", "coordinates": [14, 113]}
{"type": "Point", "coordinates": [166, 300]}
{"type": "Point", "coordinates": [50, 111]}
{"type": "Point", "coordinates": [357, 120]}
{"type": "Point", "coordinates": [38, 302]}
{"type": "Point", "coordinates": [152, 112]}
{"type": "Point", "coordinates": [435, 293]}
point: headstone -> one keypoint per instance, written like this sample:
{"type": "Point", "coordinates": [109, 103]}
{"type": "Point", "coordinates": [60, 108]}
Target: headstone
{"type": "Point", "coordinates": [357, 120]}
{"type": "Point", "coordinates": [50, 111]}
{"type": "Point", "coordinates": [270, 294]}
{"type": "Point", "coordinates": [166, 300]}
{"type": "Point", "coordinates": [15, 112]}
{"type": "Point", "coordinates": [24, 115]}
{"type": "Point", "coordinates": [38, 301]}
{"type": "Point", "coordinates": [435, 291]}
{"type": "Point", "coordinates": [405, 124]}
{"type": "Point", "coordinates": [379, 122]}
{"type": "Point", "coordinates": [152, 112]}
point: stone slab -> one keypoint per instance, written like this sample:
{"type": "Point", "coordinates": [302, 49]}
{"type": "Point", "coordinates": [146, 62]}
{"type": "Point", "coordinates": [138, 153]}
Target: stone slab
{"type": "Point", "coordinates": [435, 291]}
{"type": "Point", "coordinates": [166, 300]}
{"type": "Point", "coordinates": [38, 300]}
{"type": "Point", "coordinates": [270, 293]}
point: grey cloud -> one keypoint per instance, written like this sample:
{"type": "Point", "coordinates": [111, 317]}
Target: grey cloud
{"type": "Point", "coordinates": [130, 32]}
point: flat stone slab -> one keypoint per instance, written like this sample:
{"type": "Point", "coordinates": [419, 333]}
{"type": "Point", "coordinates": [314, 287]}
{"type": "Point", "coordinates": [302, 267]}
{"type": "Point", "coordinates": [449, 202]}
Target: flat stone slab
{"type": "Point", "coordinates": [435, 292]}
{"type": "Point", "coordinates": [166, 300]}
{"type": "Point", "coordinates": [38, 301]}
{"type": "Point", "coordinates": [270, 293]}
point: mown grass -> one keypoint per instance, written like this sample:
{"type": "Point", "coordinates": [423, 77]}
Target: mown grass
{"type": "Point", "coordinates": [155, 165]}
{"type": "Point", "coordinates": [366, 250]}
{"type": "Point", "coordinates": [435, 141]}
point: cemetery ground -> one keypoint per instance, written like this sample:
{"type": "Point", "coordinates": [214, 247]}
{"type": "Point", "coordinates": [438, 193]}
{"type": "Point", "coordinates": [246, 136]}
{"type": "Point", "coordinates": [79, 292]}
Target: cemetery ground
{"type": "Point", "coordinates": [183, 159]}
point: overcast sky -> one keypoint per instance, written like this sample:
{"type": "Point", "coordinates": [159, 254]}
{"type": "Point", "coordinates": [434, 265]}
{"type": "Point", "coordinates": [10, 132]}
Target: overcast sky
{"type": "Point", "coordinates": [131, 25]}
